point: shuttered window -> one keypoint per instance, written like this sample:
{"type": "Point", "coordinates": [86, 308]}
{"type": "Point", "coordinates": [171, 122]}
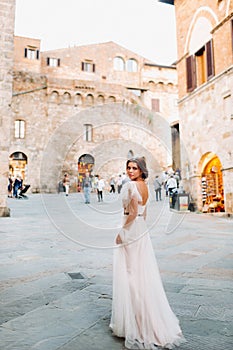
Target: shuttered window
{"type": "Point", "coordinates": [53, 62]}
{"type": "Point", "coordinates": [31, 54]}
{"type": "Point", "coordinates": [209, 59]}
{"type": "Point", "coordinates": [191, 73]}
{"type": "Point", "coordinates": [155, 105]}
{"type": "Point", "coordinates": [88, 67]}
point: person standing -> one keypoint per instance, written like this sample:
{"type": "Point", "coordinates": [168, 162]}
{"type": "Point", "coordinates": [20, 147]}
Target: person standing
{"type": "Point", "coordinates": [158, 188]}
{"type": "Point", "coordinates": [140, 310]}
{"type": "Point", "coordinates": [18, 184]}
{"type": "Point", "coordinates": [119, 184]}
{"type": "Point", "coordinates": [86, 185]}
{"type": "Point", "coordinates": [10, 186]}
{"type": "Point", "coordinates": [171, 184]}
{"type": "Point", "coordinates": [66, 183]}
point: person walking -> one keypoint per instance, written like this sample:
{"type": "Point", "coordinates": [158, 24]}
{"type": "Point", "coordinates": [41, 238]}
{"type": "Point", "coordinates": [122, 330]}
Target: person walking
{"type": "Point", "coordinates": [112, 185]}
{"type": "Point", "coordinates": [119, 184]}
{"type": "Point", "coordinates": [158, 188]}
{"type": "Point", "coordinates": [140, 310]}
{"type": "Point", "coordinates": [100, 188]}
{"type": "Point", "coordinates": [87, 185]}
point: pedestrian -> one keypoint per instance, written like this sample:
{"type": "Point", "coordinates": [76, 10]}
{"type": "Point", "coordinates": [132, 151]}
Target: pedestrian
{"type": "Point", "coordinates": [158, 188]}
{"type": "Point", "coordinates": [140, 310]}
{"type": "Point", "coordinates": [66, 183]}
{"type": "Point", "coordinates": [125, 179]}
{"type": "Point", "coordinates": [112, 185]}
{"type": "Point", "coordinates": [18, 185]}
{"type": "Point", "coordinates": [87, 185]}
{"type": "Point", "coordinates": [100, 188]}
{"type": "Point", "coordinates": [119, 184]}
{"type": "Point", "coordinates": [171, 184]}
{"type": "Point", "coordinates": [10, 186]}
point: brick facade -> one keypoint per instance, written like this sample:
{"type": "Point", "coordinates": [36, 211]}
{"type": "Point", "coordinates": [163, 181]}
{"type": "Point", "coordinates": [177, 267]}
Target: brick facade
{"type": "Point", "coordinates": [206, 112]}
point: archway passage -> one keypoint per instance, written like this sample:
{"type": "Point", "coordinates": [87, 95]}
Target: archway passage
{"type": "Point", "coordinates": [212, 186]}
{"type": "Point", "coordinates": [85, 165]}
{"type": "Point", "coordinates": [18, 165]}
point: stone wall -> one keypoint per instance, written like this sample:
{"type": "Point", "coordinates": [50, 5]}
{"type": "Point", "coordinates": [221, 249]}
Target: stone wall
{"type": "Point", "coordinates": [206, 113]}
{"type": "Point", "coordinates": [7, 15]}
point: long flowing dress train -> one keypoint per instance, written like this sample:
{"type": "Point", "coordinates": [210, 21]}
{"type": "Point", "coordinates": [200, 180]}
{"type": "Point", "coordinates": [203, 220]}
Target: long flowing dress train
{"type": "Point", "coordinates": [140, 310]}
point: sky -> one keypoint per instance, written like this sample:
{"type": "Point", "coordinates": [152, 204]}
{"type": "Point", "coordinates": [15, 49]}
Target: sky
{"type": "Point", "coordinates": [145, 27]}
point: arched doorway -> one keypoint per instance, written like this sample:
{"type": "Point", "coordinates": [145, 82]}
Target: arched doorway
{"type": "Point", "coordinates": [18, 165]}
{"type": "Point", "coordinates": [212, 184]}
{"type": "Point", "coordinates": [85, 165]}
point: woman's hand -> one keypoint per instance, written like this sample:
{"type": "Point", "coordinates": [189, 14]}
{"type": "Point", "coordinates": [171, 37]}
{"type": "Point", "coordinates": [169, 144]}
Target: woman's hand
{"type": "Point", "coordinates": [118, 239]}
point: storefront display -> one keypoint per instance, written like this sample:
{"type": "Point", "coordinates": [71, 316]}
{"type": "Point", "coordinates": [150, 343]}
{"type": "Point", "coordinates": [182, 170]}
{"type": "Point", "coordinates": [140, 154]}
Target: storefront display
{"type": "Point", "coordinates": [212, 187]}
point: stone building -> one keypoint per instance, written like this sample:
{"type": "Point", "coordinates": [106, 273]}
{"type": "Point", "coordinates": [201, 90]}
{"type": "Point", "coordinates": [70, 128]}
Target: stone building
{"type": "Point", "coordinates": [205, 84]}
{"type": "Point", "coordinates": [87, 108]}
{"type": "Point", "coordinates": [7, 15]}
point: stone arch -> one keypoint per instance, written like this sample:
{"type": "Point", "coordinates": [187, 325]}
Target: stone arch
{"type": "Point", "coordinates": [54, 97]}
{"type": "Point", "coordinates": [100, 99]}
{"type": "Point", "coordinates": [78, 100]}
{"type": "Point", "coordinates": [18, 164]}
{"type": "Point", "coordinates": [124, 131]}
{"type": "Point", "coordinates": [151, 85]}
{"type": "Point", "coordinates": [89, 100]}
{"type": "Point", "coordinates": [66, 98]}
{"type": "Point", "coordinates": [212, 186]}
{"type": "Point", "coordinates": [111, 99]}
{"type": "Point", "coordinates": [203, 13]}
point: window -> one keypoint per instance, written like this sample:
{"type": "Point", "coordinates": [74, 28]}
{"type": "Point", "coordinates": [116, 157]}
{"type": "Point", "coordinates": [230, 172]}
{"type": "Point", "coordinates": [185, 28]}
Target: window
{"type": "Point", "coordinates": [119, 64]}
{"type": "Point", "coordinates": [200, 66]}
{"type": "Point", "coordinates": [53, 62]}
{"type": "Point", "coordinates": [88, 67]}
{"type": "Point", "coordinates": [19, 129]}
{"type": "Point", "coordinates": [87, 132]}
{"type": "Point", "coordinates": [155, 105]}
{"type": "Point", "coordinates": [131, 65]}
{"type": "Point", "coordinates": [31, 54]}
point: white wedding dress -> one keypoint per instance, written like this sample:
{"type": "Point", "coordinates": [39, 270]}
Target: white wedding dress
{"type": "Point", "coordinates": [140, 310]}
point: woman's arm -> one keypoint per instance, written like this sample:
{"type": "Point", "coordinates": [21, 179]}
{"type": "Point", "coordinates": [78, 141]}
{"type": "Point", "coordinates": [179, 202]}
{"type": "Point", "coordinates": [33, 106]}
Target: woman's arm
{"type": "Point", "coordinates": [133, 212]}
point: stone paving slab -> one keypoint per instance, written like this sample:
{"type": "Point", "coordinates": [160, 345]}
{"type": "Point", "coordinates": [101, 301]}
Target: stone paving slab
{"type": "Point", "coordinates": [43, 308]}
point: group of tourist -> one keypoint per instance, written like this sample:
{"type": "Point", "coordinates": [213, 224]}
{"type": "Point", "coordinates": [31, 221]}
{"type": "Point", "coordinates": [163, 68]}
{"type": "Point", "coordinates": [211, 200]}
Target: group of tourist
{"type": "Point", "coordinates": [14, 186]}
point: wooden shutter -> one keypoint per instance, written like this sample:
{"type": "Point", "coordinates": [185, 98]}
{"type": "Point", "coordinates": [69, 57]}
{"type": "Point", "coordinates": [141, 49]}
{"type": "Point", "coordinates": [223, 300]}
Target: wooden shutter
{"type": "Point", "coordinates": [48, 61]}
{"type": "Point", "coordinates": [155, 104]}
{"type": "Point", "coordinates": [93, 68]}
{"type": "Point", "coordinates": [191, 73]}
{"type": "Point", "coordinates": [25, 52]}
{"type": "Point", "coordinates": [82, 66]}
{"type": "Point", "coordinates": [58, 62]}
{"type": "Point", "coordinates": [37, 54]}
{"type": "Point", "coordinates": [209, 59]}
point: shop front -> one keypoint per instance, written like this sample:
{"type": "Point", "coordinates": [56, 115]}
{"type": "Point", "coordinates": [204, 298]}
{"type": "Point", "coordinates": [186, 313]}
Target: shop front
{"type": "Point", "coordinates": [212, 185]}
{"type": "Point", "coordinates": [85, 165]}
{"type": "Point", "coordinates": [18, 165]}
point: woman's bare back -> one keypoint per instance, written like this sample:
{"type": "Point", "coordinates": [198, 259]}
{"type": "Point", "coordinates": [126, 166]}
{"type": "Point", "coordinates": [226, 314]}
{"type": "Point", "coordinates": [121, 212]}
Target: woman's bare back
{"type": "Point", "coordinates": [143, 190]}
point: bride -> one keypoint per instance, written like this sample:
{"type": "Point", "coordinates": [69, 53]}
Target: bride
{"type": "Point", "coordinates": [140, 310]}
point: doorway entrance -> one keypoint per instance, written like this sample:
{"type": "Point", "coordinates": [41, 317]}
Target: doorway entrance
{"type": "Point", "coordinates": [212, 185]}
{"type": "Point", "coordinates": [18, 165]}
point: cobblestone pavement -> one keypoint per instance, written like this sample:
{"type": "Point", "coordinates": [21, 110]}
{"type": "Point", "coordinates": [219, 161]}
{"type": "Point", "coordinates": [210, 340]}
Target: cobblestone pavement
{"type": "Point", "coordinates": [56, 273]}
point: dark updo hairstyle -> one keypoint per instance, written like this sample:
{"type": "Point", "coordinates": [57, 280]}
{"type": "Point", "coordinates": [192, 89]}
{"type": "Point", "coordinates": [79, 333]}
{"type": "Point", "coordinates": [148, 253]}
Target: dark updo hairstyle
{"type": "Point", "coordinates": [141, 163]}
